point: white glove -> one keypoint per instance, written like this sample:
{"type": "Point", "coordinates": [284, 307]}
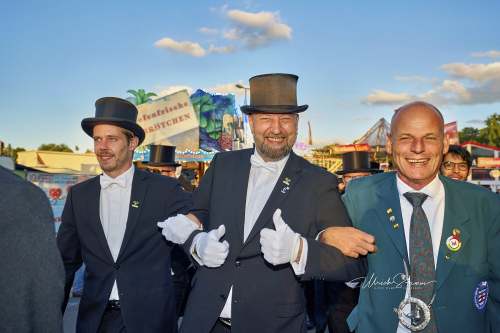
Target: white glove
{"type": "Point", "coordinates": [279, 246]}
{"type": "Point", "coordinates": [209, 249]}
{"type": "Point", "coordinates": [178, 228]}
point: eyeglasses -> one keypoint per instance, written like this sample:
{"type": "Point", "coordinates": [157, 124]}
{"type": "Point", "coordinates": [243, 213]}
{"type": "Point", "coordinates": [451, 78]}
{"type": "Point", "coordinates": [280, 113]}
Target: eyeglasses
{"type": "Point", "coordinates": [449, 165]}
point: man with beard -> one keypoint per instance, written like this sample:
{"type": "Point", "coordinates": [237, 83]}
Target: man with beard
{"type": "Point", "coordinates": [262, 209]}
{"type": "Point", "coordinates": [109, 223]}
{"type": "Point", "coordinates": [436, 268]}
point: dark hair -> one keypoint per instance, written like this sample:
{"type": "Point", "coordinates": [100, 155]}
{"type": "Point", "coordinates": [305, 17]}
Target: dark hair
{"type": "Point", "coordinates": [462, 152]}
{"type": "Point", "coordinates": [128, 134]}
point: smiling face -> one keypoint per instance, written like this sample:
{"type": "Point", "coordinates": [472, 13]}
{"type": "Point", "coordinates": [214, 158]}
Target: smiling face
{"type": "Point", "coordinates": [417, 144]}
{"type": "Point", "coordinates": [114, 150]}
{"type": "Point", "coordinates": [274, 134]}
{"type": "Point", "coordinates": [455, 167]}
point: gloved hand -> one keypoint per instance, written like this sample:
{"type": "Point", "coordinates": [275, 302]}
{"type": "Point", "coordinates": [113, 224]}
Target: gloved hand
{"type": "Point", "coordinates": [178, 228]}
{"type": "Point", "coordinates": [209, 249]}
{"type": "Point", "coordinates": [279, 246]}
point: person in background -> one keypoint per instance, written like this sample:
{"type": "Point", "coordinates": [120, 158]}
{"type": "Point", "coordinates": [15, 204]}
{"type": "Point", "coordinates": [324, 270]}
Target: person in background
{"type": "Point", "coordinates": [31, 270]}
{"type": "Point", "coordinates": [162, 161]}
{"type": "Point", "coordinates": [341, 298]}
{"type": "Point", "coordinates": [456, 163]}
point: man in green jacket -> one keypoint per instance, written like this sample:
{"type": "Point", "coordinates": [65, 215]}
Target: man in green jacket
{"type": "Point", "coordinates": [436, 267]}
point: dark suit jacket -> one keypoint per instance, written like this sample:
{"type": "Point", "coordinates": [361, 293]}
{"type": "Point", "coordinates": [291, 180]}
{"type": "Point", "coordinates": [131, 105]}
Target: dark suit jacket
{"type": "Point", "coordinates": [142, 269]}
{"type": "Point", "coordinates": [31, 270]}
{"type": "Point", "coordinates": [265, 298]}
{"type": "Point", "coordinates": [469, 208]}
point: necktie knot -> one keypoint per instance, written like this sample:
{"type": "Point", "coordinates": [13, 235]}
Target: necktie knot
{"type": "Point", "coordinates": [260, 163]}
{"type": "Point", "coordinates": [416, 199]}
{"type": "Point", "coordinates": [107, 181]}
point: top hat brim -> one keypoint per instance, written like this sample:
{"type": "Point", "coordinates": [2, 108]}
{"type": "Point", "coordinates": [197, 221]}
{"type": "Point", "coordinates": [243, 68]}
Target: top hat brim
{"type": "Point", "coordinates": [373, 171]}
{"type": "Point", "coordinates": [249, 109]}
{"type": "Point", "coordinates": [89, 123]}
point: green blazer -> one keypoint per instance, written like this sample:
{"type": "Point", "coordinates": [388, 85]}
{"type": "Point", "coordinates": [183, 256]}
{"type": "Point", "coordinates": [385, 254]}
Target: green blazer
{"type": "Point", "coordinates": [474, 211]}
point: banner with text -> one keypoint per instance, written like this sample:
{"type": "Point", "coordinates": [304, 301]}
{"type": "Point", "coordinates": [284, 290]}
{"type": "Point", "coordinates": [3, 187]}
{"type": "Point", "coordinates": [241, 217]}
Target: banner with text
{"type": "Point", "coordinates": [168, 117]}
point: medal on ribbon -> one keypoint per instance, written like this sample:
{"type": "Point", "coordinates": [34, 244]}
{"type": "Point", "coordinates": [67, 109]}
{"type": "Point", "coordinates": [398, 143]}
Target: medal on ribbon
{"type": "Point", "coordinates": [413, 313]}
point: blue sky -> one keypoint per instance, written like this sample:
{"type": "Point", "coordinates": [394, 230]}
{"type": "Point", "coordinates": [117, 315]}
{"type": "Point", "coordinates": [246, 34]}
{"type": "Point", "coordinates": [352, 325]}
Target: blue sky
{"type": "Point", "coordinates": [357, 60]}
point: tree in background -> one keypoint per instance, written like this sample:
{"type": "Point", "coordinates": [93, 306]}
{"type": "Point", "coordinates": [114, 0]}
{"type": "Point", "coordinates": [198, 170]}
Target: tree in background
{"type": "Point", "coordinates": [491, 132]}
{"type": "Point", "coordinates": [140, 96]}
{"type": "Point", "coordinates": [489, 135]}
{"type": "Point", "coordinates": [12, 152]}
{"type": "Point", "coordinates": [55, 147]}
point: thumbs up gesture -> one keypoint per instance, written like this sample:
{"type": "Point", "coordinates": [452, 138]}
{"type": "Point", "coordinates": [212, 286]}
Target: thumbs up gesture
{"type": "Point", "coordinates": [211, 251]}
{"type": "Point", "coordinates": [279, 246]}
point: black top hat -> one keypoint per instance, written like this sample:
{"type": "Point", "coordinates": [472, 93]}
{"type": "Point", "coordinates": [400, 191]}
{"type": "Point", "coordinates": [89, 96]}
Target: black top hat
{"type": "Point", "coordinates": [356, 161]}
{"type": "Point", "coordinates": [273, 93]}
{"type": "Point", "coordinates": [114, 111]}
{"type": "Point", "coordinates": [160, 155]}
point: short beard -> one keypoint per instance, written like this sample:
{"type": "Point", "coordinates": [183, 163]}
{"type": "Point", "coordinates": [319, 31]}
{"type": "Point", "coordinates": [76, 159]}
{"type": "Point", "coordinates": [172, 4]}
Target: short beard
{"type": "Point", "coordinates": [273, 154]}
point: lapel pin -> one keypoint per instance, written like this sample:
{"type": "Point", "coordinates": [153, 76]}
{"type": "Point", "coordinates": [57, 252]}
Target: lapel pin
{"type": "Point", "coordinates": [285, 189]}
{"type": "Point", "coordinates": [287, 181]}
{"type": "Point", "coordinates": [453, 242]}
{"type": "Point", "coordinates": [447, 256]}
{"type": "Point", "coordinates": [135, 204]}
{"type": "Point", "coordinates": [392, 218]}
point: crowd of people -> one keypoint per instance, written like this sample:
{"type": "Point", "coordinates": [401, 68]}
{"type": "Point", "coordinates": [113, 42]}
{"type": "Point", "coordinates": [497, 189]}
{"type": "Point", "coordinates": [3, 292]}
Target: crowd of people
{"type": "Point", "coordinates": [413, 250]}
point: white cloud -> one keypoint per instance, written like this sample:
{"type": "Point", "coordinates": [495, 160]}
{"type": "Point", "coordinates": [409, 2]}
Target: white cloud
{"type": "Point", "coordinates": [475, 72]}
{"type": "Point", "coordinates": [208, 31]}
{"type": "Point", "coordinates": [164, 91]}
{"type": "Point", "coordinates": [487, 54]}
{"type": "Point", "coordinates": [192, 48]}
{"type": "Point", "coordinates": [226, 88]}
{"type": "Point", "coordinates": [257, 29]}
{"type": "Point", "coordinates": [470, 84]}
{"type": "Point", "coordinates": [381, 97]}
{"type": "Point", "coordinates": [221, 49]}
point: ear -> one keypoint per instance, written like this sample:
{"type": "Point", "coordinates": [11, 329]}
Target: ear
{"type": "Point", "coordinates": [134, 142]}
{"type": "Point", "coordinates": [250, 121]}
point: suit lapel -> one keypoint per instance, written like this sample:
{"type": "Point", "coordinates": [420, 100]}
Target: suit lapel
{"type": "Point", "coordinates": [390, 216]}
{"type": "Point", "coordinates": [285, 184]}
{"type": "Point", "coordinates": [93, 196]}
{"type": "Point", "coordinates": [239, 188]}
{"type": "Point", "coordinates": [139, 189]}
{"type": "Point", "coordinates": [455, 217]}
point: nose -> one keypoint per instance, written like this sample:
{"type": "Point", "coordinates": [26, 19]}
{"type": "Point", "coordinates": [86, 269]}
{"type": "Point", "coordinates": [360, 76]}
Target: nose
{"type": "Point", "coordinates": [275, 125]}
{"type": "Point", "coordinates": [418, 146]}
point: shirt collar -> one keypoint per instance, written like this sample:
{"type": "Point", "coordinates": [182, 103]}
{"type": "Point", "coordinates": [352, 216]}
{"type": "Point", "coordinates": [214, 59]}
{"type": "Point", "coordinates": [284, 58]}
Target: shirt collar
{"type": "Point", "coordinates": [279, 165]}
{"type": "Point", "coordinates": [124, 178]}
{"type": "Point", "coordinates": [431, 189]}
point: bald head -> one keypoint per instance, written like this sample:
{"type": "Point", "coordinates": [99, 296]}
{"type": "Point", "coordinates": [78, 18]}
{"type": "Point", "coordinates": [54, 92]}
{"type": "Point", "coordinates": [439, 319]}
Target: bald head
{"type": "Point", "coordinates": [417, 143]}
{"type": "Point", "coordinates": [407, 110]}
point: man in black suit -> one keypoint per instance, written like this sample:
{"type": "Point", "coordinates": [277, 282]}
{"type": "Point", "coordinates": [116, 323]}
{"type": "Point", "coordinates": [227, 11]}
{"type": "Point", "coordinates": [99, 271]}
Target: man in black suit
{"type": "Point", "coordinates": [109, 223]}
{"type": "Point", "coordinates": [262, 209]}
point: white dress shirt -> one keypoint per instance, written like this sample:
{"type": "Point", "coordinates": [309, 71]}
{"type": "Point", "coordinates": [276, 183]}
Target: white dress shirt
{"type": "Point", "coordinates": [113, 211]}
{"type": "Point", "coordinates": [433, 207]}
{"type": "Point", "coordinates": [261, 183]}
